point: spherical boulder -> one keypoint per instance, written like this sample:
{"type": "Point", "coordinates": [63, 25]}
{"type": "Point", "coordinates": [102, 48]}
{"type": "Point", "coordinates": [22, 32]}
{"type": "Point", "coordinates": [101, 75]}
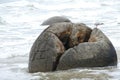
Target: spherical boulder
{"type": "Point", "coordinates": [67, 45]}
{"type": "Point", "coordinates": [52, 43]}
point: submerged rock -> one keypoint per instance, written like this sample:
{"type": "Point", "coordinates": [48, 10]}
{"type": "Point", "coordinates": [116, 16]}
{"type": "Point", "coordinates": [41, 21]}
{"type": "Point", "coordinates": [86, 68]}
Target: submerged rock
{"type": "Point", "coordinates": [55, 19]}
{"type": "Point", "coordinates": [68, 45]}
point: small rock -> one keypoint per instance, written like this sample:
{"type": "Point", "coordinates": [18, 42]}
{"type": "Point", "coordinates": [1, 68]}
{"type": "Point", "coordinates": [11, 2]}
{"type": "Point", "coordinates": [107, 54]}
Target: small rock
{"type": "Point", "coordinates": [55, 19]}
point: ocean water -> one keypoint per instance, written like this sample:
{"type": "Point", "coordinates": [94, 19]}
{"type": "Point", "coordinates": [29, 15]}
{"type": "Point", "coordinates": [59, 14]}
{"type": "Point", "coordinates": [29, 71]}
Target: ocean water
{"type": "Point", "coordinates": [20, 25]}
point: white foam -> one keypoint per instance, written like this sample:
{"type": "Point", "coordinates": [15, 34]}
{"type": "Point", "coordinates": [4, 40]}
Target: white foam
{"type": "Point", "coordinates": [20, 25]}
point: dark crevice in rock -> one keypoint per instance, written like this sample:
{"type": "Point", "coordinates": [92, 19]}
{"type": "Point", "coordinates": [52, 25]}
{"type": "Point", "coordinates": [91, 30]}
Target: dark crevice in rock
{"type": "Point", "coordinates": [67, 42]}
{"type": "Point", "coordinates": [55, 64]}
{"type": "Point", "coordinates": [87, 37]}
{"type": "Point", "coordinates": [65, 39]}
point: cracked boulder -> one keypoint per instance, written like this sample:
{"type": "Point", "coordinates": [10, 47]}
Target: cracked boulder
{"type": "Point", "coordinates": [97, 52]}
{"type": "Point", "coordinates": [69, 45]}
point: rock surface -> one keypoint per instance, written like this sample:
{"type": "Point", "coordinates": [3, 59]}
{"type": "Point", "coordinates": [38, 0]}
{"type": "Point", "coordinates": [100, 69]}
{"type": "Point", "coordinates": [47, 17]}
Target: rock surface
{"type": "Point", "coordinates": [68, 45]}
{"type": "Point", "coordinates": [55, 19]}
{"type": "Point", "coordinates": [97, 52]}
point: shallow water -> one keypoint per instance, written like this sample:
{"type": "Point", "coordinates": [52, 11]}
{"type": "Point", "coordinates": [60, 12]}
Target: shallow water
{"type": "Point", "coordinates": [20, 25]}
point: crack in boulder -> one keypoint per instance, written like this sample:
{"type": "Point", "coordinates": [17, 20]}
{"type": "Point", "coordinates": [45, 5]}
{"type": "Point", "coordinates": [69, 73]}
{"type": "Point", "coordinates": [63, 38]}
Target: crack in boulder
{"type": "Point", "coordinates": [73, 44]}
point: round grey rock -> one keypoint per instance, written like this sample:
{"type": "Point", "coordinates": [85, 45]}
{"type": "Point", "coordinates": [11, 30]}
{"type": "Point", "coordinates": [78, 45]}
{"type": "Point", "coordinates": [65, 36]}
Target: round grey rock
{"type": "Point", "coordinates": [52, 43]}
{"type": "Point", "coordinates": [67, 45]}
{"type": "Point", "coordinates": [55, 19]}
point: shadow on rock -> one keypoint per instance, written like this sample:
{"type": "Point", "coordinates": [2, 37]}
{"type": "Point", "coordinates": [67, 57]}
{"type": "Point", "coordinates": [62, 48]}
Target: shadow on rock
{"type": "Point", "coordinates": [67, 45]}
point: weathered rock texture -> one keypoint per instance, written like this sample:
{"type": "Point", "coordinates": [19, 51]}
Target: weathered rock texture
{"type": "Point", "coordinates": [67, 45]}
{"type": "Point", "coordinates": [97, 52]}
{"type": "Point", "coordinates": [55, 19]}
